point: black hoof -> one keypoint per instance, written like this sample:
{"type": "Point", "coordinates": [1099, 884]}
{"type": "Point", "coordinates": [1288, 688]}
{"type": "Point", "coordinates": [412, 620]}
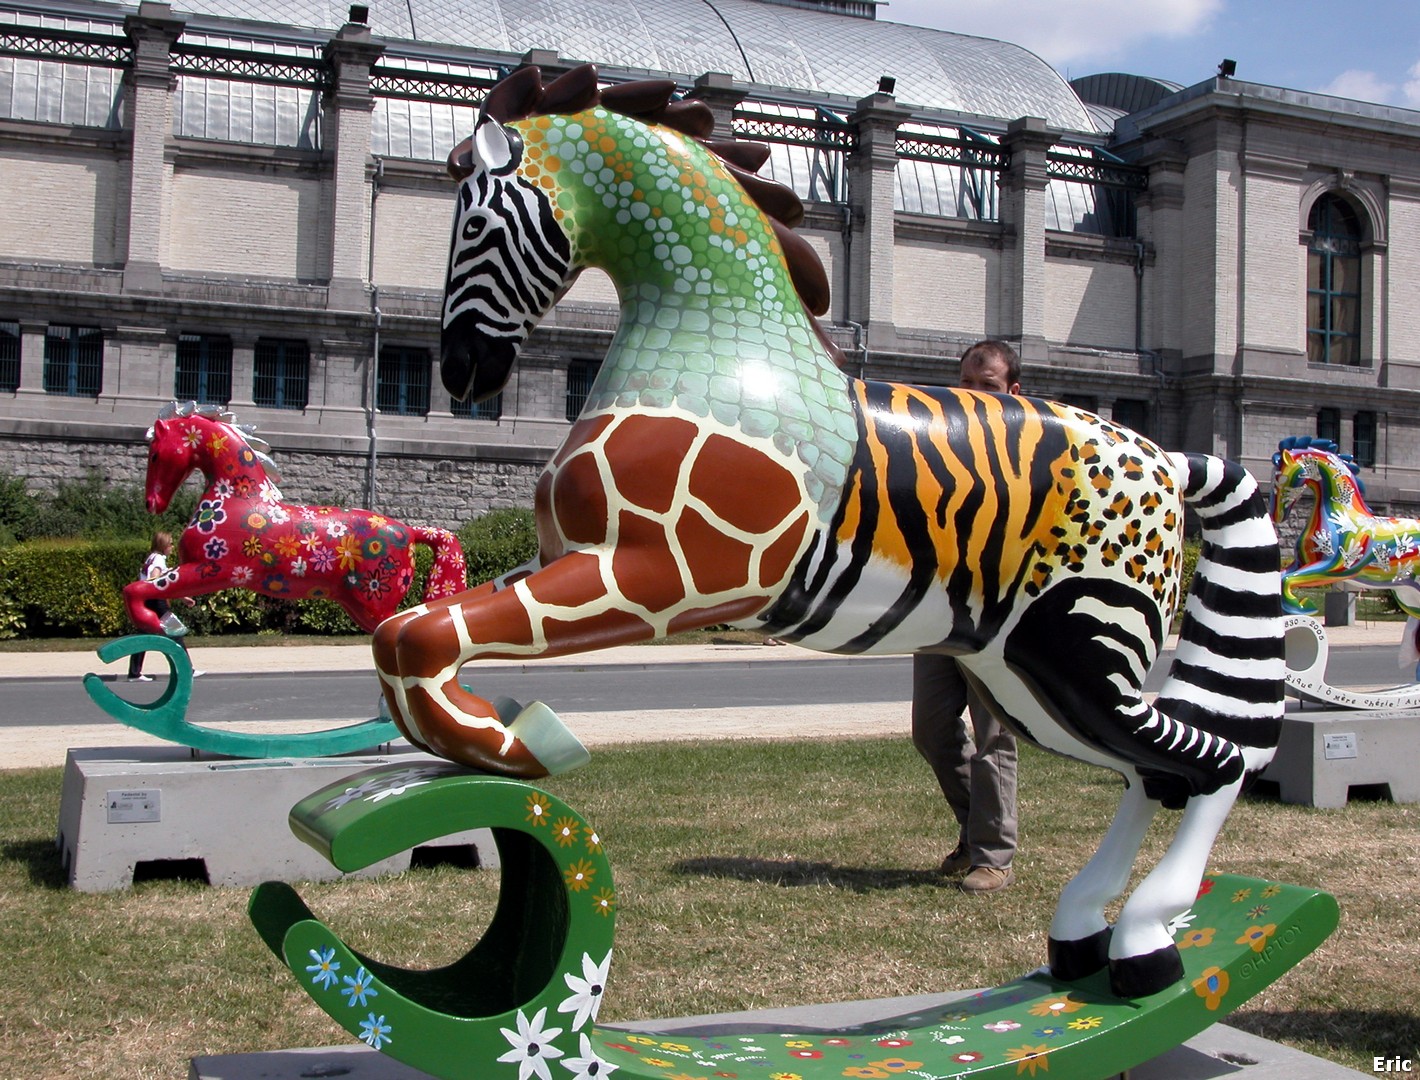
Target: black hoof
{"type": "Point", "coordinates": [1071, 960]}
{"type": "Point", "coordinates": [1140, 976]}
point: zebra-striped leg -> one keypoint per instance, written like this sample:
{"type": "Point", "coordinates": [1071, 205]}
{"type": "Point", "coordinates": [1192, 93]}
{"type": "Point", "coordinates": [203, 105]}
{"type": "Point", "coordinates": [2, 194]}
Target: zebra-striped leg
{"type": "Point", "coordinates": [1079, 935]}
{"type": "Point", "coordinates": [1143, 958]}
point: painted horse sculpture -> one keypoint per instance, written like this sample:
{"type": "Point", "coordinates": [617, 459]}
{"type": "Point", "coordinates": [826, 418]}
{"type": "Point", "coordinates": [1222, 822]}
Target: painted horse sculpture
{"type": "Point", "coordinates": [727, 469]}
{"type": "Point", "coordinates": [1343, 540]}
{"type": "Point", "coordinates": [243, 536]}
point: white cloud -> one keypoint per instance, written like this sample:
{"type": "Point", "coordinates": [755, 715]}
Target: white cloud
{"type": "Point", "coordinates": [1362, 86]}
{"type": "Point", "coordinates": [1410, 92]}
{"type": "Point", "coordinates": [1061, 33]}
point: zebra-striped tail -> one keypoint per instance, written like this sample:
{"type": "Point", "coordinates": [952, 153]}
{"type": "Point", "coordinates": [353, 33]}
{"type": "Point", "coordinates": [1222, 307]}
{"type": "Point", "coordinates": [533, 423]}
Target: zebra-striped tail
{"type": "Point", "coordinates": [1228, 673]}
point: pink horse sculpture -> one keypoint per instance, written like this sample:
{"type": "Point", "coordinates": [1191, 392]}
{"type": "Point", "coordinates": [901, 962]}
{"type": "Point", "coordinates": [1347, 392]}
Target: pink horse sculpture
{"type": "Point", "coordinates": [243, 536]}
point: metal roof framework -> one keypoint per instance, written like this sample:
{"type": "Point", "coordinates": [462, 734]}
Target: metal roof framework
{"type": "Point", "coordinates": [809, 144]}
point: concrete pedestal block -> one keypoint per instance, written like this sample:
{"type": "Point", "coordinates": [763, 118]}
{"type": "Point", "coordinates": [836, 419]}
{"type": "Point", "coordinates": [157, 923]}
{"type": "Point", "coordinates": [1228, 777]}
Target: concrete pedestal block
{"type": "Point", "coordinates": [1340, 609]}
{"type": "Point", "coordinates": [1322, 755]}
{"type": "Point", "coordinates": [124, 806]}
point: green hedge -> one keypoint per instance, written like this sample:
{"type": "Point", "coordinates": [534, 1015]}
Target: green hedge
{"type": "Point", "coordinates": [92, 508]}
{"type": "Point", "coordinates": [74, 588]}
{"type": "Point", "coordinates": [499, 541]}
{"type": "Point", "coordinates": [68, 588]}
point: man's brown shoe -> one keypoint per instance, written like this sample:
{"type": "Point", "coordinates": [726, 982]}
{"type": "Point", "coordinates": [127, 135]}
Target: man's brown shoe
{"type": "Point", "coordinates": [985, 879]}
{"type": "Point", "coordinates": [958, 862]}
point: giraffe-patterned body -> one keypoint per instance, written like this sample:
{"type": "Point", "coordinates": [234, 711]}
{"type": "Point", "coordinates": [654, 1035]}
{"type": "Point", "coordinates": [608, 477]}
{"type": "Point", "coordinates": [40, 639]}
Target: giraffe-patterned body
{"type": "Point", "coordinates": [726, 469]}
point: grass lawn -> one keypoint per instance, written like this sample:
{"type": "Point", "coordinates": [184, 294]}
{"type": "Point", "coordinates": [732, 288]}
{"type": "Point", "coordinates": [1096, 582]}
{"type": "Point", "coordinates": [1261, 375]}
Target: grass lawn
{"type": "Point", "coordinates": [749, 875]}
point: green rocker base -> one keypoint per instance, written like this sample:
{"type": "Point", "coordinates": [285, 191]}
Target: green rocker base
{"type": "Point", "coordinates": [523, 1001]}
{"type": "Point", "coordinates": [166, 718]}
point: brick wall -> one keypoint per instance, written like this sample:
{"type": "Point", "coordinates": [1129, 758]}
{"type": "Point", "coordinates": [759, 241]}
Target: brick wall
{"type": "Point", "coordinates": [1274, 263]}
{"type": "Point", "coordinates": [412, 237]}
{"type": "Point", "coordinates": [1089, 303]}
{"type": "Point", "coordinates": [58, 206]}
{"type": "Point", "coordinates": [419, 490]}
{"type": "Point", "coordinates": [1402, 310]}
{"type": "Point", "coordinates": [592, 287]}
{"type": "Point", "coordinates": [1209, 241]}
{"type": "Point", "coordinates": [942, 288]}
{"type": "Point", "coordinates": [245, 223]}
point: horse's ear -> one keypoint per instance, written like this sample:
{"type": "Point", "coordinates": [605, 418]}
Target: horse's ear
{"type": "Point", "coordinates": [159, 428]}
{"type": "Point", "coordinates": [495, 147]}
{"type": "Point", "coordinates": [460, 163]}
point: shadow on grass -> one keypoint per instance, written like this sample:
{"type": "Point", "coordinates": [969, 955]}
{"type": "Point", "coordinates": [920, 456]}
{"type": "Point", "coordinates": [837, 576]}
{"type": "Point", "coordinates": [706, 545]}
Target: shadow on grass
{"type": "Point", "coordinates": [1368, 1032]}
{"type": "Point", "coordinates": [795, 872]}
{"type": "Point", "coordinates": [41, 859]}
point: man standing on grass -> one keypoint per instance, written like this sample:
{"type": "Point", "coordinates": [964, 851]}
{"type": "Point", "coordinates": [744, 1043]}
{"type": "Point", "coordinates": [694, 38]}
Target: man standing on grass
{"type": "Point", "coordinates": [975, 761]}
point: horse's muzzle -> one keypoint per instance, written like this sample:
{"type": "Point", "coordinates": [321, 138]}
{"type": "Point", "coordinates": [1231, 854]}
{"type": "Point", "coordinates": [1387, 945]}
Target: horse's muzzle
{"type": "Point", "coordinates": [473, 365]}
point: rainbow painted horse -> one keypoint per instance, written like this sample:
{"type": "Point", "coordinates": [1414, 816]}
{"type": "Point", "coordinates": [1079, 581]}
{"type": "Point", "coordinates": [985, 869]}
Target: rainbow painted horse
{"type": "Point", "coordinates": [727, 469]}
{"type": "Point", "coordinates": [1342, 539]}
{"type": "Point", "coordinates": [243, 536]}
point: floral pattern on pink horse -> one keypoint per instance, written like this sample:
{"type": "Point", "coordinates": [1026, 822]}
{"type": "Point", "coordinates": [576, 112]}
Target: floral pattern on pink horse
{"type": "Point", "coordinates": [242, 535]}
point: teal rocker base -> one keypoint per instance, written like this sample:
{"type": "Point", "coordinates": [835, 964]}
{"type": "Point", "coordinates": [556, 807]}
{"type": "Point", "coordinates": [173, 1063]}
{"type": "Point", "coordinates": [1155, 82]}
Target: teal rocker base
{"type": "Point", "coordinates": [527, 994]}
{"type": "Point", "coordinates": [166, 718]}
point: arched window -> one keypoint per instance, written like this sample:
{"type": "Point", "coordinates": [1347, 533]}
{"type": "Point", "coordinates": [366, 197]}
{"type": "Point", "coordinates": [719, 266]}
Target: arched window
{"type": "Point", "coordinates": [1334, 283]}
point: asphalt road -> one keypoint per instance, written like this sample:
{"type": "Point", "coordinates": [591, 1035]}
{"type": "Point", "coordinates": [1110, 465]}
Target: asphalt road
{"type": "Point", "coordinates": [569, 689]}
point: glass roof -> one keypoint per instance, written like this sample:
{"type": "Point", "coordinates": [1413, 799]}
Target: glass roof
{"type": "Point", "coordinates": [763, 44]}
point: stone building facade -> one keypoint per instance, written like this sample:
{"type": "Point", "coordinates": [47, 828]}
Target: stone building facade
{"type": "Point", "coordinates": [148, 252]}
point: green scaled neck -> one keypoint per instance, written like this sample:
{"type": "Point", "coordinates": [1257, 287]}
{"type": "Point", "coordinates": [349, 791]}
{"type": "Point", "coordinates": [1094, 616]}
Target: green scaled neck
{"type": "Point", "coordinates": [711, 322]}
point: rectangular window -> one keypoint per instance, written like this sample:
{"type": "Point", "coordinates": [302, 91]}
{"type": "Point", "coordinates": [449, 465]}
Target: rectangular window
{"type": "Point", "coordinates": [1132, 413]}
{"type": "Point", "coordinates": [281, 374]}
{"type": "Point", "coordinates": [1088, 402]}
{"type": "Point", "coordinates": [580, 376]}
{"type": "Point", "coordinates": [1364, 445]}
{"type": "Point", "coordinates": [1334, 292]}
{"type": "Point", "coordinates": [490, 409]}
{"type": "Point", "coordinates": [9, 356]}
{"type": "Point", "coordinates": [1328, 425]}
{"type": "Point", "coordinates": [402, 381]}
{"type": "Point", "coordinates": [74, 361]}
{"type": "Point", "coordinates": [204, 369]}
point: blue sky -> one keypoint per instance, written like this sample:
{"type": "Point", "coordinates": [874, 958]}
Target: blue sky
{"type": "Point", "coordinates": [1367, 49]}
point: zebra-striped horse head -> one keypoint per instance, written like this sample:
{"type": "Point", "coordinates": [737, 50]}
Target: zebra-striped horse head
{"type": "Point", "coordinates": [509, 259]}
